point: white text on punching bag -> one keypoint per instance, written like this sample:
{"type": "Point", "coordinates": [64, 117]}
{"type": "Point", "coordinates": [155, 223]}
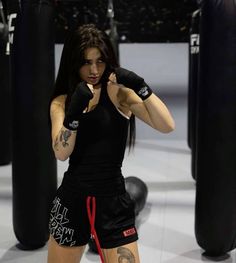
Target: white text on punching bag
{"type": "Point", "coordinates": [11, 29]}
{"type": "Point", "coordinates": [194, 43]}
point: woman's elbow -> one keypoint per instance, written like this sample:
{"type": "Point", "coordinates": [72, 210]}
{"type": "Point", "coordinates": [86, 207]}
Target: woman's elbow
{"type": "Point", "coordinates": [60, 156]}
{"type": "Point", "coordinates": [168, 127]}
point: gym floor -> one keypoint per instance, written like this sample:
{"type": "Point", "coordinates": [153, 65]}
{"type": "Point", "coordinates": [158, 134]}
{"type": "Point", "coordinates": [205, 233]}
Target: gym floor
{"type": "Point", "coordinates": [166, 224]}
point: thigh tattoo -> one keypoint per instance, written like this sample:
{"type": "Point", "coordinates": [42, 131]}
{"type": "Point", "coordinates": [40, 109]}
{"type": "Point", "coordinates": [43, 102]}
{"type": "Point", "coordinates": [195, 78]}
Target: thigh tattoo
{"type": "Point", "coordinates": [125, 255]}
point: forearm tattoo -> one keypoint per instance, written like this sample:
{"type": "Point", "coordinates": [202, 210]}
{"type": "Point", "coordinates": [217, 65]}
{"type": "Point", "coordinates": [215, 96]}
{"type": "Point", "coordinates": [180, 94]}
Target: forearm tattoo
{"type": "Point", "coordinates": [125, 255]}
{"type": "Point", "coordinates": [64, 137]}
{"type": "Point", "coordinates": [56, 144]}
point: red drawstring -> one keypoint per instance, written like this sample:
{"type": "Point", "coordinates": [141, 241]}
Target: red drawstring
{"type": "Point", "coordinates": [91, 216]}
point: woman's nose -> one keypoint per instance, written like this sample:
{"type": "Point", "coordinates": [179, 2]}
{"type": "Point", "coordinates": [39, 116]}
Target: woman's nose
{"type": "Point", "coordinates": [94, 69]}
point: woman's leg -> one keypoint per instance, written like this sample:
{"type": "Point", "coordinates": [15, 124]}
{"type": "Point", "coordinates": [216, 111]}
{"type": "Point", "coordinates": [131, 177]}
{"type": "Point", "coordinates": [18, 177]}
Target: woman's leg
{"type": "Point", "coordinates": [63, 254]}
{"type": "Point", "coordinates": [123, 254]}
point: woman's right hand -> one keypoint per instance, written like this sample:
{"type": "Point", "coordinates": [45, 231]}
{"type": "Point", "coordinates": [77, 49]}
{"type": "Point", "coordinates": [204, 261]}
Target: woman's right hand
{"type": "Point", "coordinates": [79, 101]}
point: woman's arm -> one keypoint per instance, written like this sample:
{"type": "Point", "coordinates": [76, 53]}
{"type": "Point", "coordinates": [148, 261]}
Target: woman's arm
{"type": "Point", "coordinates": [151, 110]}
{"type": "Point", "coordinates": [135, 96]}
{"type": "Point", "coordinates": [63, 140]}
{"type": "Point", "coordinates": [159, 114]}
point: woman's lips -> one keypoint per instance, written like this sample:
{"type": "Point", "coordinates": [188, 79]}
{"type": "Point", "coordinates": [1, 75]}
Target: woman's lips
{"type": "Point", "coordinates": [94, 79]}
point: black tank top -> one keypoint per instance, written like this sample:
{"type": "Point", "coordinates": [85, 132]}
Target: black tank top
{"type": "Point", "coordinates": [96, 161]}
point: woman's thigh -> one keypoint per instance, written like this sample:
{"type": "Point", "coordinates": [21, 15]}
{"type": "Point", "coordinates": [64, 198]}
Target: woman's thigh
{"type": "Point", "coordinates": [123, 254]}
{"type": "Point", "coordinates": [63, 254]}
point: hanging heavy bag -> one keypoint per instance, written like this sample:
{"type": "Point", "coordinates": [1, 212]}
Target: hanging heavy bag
{"type": "Point", "coordinates": [33, 163]}
{"type": "Point", "coordinates": [215, 212]}
{"type": "Point", "coordinates": [5, 94]}
{"type": "Point", "coordinates": [194, 49]}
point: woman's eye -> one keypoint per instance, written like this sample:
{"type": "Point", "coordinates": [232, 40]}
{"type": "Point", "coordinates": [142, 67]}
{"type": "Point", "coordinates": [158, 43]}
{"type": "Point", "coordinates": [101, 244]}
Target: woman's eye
{"type": "Point", "coordinates": [100, 61]}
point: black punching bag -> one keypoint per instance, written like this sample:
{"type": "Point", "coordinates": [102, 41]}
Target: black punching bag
{"type": "Point", "coordinates": [193, 75]}
{"type": "Point", "coordinates": [215, 214]}
{"type": "Point", "coordinates": [33, 162]}
{"type": "Point", "coordinates": [138, 192]}
{"type": "Point", "coordinates": [194, 49]}
{"type": "Point", "coordinates": [5, 104]}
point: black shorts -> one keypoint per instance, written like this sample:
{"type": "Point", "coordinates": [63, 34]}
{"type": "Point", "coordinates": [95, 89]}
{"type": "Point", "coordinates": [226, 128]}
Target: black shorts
{"type": "Point", "coordinates": [114, 221]}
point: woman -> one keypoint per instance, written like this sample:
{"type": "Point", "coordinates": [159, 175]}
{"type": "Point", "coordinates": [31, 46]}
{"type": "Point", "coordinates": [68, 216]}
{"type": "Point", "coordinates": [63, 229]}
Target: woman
{"type": "Point", "coordinates": [92, 114]}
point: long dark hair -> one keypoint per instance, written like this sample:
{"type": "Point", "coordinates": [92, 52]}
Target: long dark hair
{"type": "Point", "coordinates": [72, 59]}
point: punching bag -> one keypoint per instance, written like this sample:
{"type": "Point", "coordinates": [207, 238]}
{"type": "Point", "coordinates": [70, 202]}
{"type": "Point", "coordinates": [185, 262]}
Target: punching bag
{"type": "Point", "coordinates": [5, 97]}
{"type": "Point", "coordinates": [194, 48]}
{"type": "Point", "coordinates": [193, 74]}
{"type": "Point", "coordinates": [138, 192]}
{"type": "Point", "coordinates": [33, 163]}
{"type": "Point", "coordinates": [215, 211]}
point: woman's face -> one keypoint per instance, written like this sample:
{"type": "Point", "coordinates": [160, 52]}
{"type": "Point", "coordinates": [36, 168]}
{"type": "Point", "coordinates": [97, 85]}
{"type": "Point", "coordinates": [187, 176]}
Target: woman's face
{"type": "Point", "coordinates": [94, 67]}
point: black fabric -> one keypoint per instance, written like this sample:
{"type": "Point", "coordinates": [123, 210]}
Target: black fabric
{"type": "Point", "coordinates": [114, 221]}
{"type": "Point", "coordinates": [99, 150]}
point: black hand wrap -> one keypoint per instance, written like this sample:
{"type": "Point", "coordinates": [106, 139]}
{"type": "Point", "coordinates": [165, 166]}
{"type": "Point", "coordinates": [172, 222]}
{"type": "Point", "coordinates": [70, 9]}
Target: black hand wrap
{"type": "Point", "coordinates": [133, 81]}
{"type": "Point", "coordinates": [79, 101]}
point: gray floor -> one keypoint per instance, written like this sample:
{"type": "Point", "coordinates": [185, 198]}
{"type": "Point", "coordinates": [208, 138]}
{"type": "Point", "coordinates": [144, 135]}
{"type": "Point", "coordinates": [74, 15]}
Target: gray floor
{"type": "Point", "coordinates": [166, 224]}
